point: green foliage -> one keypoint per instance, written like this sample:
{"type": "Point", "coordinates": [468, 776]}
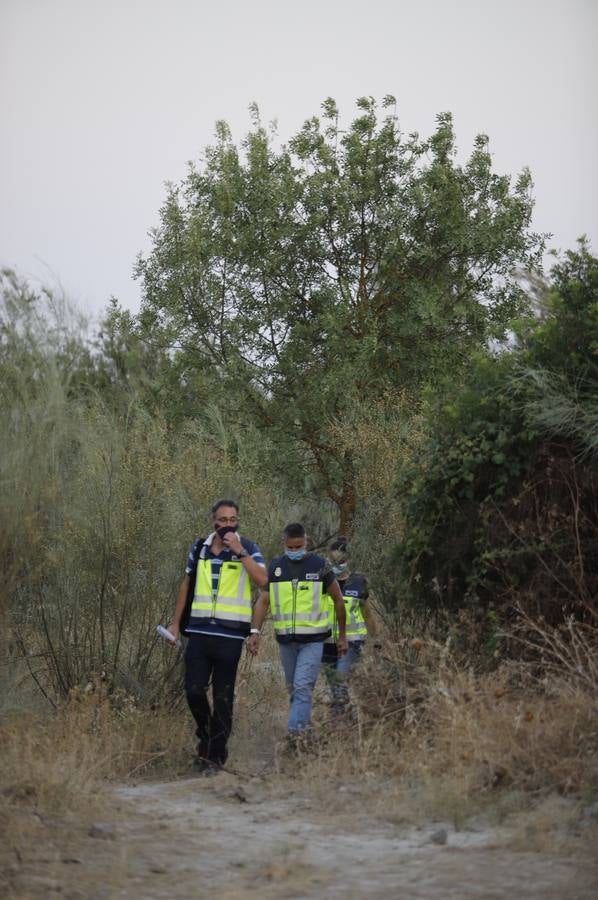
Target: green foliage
{"type": "Point", "coordinates": [101, 499]}
{"type": "Point", "coordinates": [314, 342]}
{"type": "Point", "coordinates": [351, 262]}
{"type": "Point", "coordinates": [500, 507]}
{"type": "Point", "coordinates": [560, 356]}
{"type": "Point", "coordinates": [566, 339]}
{"type": "Point", "coordinates": [478, 447]}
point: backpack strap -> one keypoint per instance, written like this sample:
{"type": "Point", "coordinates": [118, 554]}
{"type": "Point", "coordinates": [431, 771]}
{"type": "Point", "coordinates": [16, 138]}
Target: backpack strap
{"type": "Point", "coordinates": [191, 589]}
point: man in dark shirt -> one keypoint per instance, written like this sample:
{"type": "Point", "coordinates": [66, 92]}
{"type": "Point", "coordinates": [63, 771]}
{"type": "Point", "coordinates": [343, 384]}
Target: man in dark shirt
{"type": "Point", "coordinates": [297, 583]}
{"type": "Point", "coordinates": [219, 569]}
{"type": "Point", "coordinates": [360, 623]}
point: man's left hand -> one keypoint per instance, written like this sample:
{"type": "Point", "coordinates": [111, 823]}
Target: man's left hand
{"type": "Point", "coordinates": [253, 644]}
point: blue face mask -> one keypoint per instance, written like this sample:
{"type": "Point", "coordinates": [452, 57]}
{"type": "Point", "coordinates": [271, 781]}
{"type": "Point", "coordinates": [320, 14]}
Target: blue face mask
{"type": "Point", "coordinates": [340, 568]}
{"type": "Point", "coordinates": [295, 555]}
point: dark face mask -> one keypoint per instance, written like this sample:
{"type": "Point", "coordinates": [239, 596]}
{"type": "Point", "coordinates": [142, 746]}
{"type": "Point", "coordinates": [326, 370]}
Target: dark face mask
{"type": "Point", "coordinates": [226, 529]}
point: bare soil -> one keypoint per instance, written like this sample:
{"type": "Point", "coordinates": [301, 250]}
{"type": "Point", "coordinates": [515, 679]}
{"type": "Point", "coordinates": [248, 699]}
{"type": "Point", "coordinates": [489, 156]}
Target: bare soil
{"type": "Point", "coordinates": [230, 837]}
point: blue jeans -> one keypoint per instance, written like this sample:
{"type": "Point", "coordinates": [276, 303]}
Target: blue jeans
{"type": "Point", "coordinates": [301, 664]}
{"type": "Point", "coordinates": [336, 671]}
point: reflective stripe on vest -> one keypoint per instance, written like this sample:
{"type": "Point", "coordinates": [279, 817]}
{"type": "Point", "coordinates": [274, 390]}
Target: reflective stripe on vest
{"type": "Point", "coordinates": [356, 627]}
{"type": "Point", "coordinates": [297, 607]}
{"type": "Point", "coordinates": [231, 603]}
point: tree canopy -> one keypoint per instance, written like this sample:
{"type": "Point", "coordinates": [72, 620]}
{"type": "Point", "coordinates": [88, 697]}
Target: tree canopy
{"type": "Point", "coordinates": [314, 276]}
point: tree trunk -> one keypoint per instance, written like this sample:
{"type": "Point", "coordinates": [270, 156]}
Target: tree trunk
{"type": "Point", "coordinates": [347, 501]}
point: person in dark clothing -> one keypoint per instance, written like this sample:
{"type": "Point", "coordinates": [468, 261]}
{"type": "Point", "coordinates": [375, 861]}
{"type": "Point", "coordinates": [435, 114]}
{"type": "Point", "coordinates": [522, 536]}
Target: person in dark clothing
{"type": "Point", "coordinates": [300, 587]}
{"type": "Point", "coordinates": [360, 624]}
{"type": "Point", "coordinates": [219, 571]}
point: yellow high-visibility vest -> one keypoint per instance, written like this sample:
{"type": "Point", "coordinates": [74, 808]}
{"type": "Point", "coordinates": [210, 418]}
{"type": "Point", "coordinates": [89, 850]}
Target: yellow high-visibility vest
{"type": "Point", "coordinates": [298, 608]}
{"type": "Point", "coordinates": [356, 627]}
{"type": "Point", "coordinates": [231, 604]}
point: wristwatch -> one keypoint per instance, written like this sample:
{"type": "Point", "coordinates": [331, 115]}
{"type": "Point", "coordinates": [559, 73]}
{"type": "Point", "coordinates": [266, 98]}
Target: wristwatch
{"type": "Point", "coordinates": [242, 553]}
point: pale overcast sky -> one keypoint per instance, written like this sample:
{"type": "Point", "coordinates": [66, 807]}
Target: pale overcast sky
{"type": "Point", "coordinates": [102, 101]}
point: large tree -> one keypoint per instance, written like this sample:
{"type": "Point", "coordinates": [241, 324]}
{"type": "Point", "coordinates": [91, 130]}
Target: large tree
{"type": "Point", "coordinates": [313, 275]}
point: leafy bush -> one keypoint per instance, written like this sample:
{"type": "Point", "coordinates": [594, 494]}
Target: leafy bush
{"type": "Point", "coordinates": [500, 508]}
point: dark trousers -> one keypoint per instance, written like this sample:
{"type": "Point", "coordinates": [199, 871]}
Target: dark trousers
{"type": "Point", "coordinates": [212, 658]}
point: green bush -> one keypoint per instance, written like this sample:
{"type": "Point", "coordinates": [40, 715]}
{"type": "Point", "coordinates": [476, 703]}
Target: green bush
{"type": "Point", "coordinates": [500, 507]}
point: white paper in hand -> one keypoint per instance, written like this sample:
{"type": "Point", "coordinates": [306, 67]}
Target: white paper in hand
{"type": "Point", "coordinates": [165, 633]}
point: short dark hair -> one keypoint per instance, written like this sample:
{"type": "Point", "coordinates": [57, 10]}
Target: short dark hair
{"type": "Point", "coordinates": [340, 543]}
{"type": "Point", "coordinates": [294, 530]}
{"type": "Point", "coordinates": [224, 502]}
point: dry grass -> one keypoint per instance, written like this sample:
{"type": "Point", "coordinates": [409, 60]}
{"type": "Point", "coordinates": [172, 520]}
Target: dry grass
{"type": "Point", "coordinates": [261, 709]}
{"type": "Point", "coordinates": [429, 740]}
{"type": "Point", "coordinates": [55, 765]}
{"type": "Point", "coordinates": [527, 726]}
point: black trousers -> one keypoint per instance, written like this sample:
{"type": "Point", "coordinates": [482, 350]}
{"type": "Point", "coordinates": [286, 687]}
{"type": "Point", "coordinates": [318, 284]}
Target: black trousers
{"type": "Point", "coordinates": [212, 658]}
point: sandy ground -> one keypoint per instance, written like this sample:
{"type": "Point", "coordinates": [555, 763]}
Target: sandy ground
{"type": "Point", "coordinates": [230, 837]}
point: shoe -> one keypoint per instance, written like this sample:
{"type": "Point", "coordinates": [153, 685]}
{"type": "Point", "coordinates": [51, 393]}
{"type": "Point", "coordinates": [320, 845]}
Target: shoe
{"type": "Point", "coordinates": [298, 742]}
{"type": "Point", "coordinates": [205, 768]}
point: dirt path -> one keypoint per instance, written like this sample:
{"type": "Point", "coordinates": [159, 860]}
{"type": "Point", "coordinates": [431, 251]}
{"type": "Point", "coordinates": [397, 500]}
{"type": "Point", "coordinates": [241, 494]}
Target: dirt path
{"type": "Point", "coordinates": [230, 838]}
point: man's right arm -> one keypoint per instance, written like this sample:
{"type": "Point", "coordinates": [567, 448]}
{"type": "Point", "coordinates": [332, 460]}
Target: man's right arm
{"type": "Point", "coordinates": [181, 600]}
{"type": "Point", "coordinates": [259, 614]}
